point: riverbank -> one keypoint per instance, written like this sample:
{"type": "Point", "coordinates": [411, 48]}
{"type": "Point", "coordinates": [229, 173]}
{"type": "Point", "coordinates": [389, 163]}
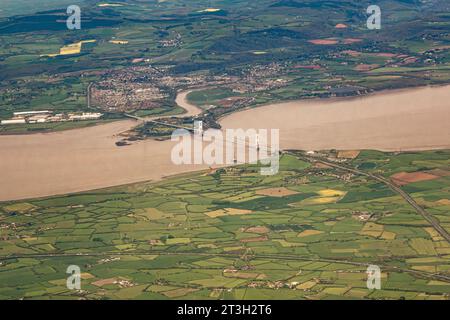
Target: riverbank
{"type": "Point", "coordinates": [78, 160]}
{"type": "Point", "coordinates": [402, 120]}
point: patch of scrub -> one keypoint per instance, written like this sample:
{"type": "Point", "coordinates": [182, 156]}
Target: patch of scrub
{"type": "Point", "coordinates": [19, 207]}
{"type": "Point", "coordinates": [227, 212]}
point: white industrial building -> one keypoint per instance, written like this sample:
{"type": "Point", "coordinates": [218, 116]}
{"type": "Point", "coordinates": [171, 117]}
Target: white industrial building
{"type": "Point", "coordinates": [30, 113]}
{"type": "Point", "coordinates": [47, 116]}
{"type": "Point", "coordinates": [14, 121]}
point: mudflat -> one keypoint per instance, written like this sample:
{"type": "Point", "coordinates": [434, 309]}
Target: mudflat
{"type": "Point", "coordinates": [78, 160]}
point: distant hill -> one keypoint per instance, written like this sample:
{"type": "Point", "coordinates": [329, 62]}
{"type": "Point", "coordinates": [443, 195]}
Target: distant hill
{"type": "Point", "coordinates": [20, 7]}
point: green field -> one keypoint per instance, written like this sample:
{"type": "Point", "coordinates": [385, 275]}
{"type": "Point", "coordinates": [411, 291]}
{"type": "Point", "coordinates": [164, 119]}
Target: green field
{"type": "Point", "coordinates": [256, 43]}
{"type": "Point", "coordinates": [307, 233]}
{"type": "Point", "coordinates": [217, 235]}
{"type": "Point", "coordinates": [22, 7]}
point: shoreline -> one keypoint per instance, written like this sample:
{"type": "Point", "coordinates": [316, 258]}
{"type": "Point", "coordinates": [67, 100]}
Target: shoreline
{"type": "Point", "coordinates": [86, 159]}
{"type": "Point", "coordinates": [385, 92]}
{"type": "Point", "coordinates": [339, 123]}
{"type": "Point", "coordinates": [181, 101]}
{"type": "Point", "coordinates": [186, 102]}
{"type": "Point", "coordinates": [337, 99]}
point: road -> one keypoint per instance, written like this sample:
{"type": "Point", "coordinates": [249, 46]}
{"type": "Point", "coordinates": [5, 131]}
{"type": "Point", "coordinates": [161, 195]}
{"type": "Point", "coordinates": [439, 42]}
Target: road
{"type": "Point", "coordinates": [88, 95]}
{"type": "Point", "coordinates": [292, 257]}
{"type": "Point", "coordinates": [427, 216]}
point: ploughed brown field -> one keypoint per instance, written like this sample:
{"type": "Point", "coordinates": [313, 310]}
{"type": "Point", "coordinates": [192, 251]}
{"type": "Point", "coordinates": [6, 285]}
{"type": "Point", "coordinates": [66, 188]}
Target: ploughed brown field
{"type": "Point", "coordinates": [405, 178]}
{"type": "Point", "coordinates": [84, 159]}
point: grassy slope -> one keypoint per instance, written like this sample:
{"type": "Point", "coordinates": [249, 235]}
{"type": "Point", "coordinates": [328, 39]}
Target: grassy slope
{"type": "Point", "coordinates": [222, 43]}
{"type": "Point", "coordinates": [21, 7]}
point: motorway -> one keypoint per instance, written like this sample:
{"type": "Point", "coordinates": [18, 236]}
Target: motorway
{"type": "Point", "coordinates": [292, 257]}
{"type": "Point", "coordinates": [427, 216]}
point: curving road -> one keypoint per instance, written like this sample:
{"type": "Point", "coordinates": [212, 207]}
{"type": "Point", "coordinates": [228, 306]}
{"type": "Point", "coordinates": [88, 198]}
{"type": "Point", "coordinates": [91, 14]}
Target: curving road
{"type": "Point", "coordinates": [427, 216]}
{"type": "Point", "coordinates": [40, 165]}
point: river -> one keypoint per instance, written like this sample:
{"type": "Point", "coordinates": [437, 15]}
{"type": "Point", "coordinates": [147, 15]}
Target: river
{"type": "Point", "coordinates": [46, 164]}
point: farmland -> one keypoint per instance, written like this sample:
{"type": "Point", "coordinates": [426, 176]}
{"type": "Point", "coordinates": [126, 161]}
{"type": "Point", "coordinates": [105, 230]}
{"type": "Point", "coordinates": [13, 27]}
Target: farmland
{"type": "Point", "coordinates": [20, 7]}
{"type": "Point", "coordinates": [266, 52]}
{"type": "Point", "coordinates": [307, 233]}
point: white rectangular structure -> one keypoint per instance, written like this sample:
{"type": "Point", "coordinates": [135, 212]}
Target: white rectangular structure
{"type": "Point", "coordinates": [15, 121]}
{"type": "Point", "coordinates": [30, 113]}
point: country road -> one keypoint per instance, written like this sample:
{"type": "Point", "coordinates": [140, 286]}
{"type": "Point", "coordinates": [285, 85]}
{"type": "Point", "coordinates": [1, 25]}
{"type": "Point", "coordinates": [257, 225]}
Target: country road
{"type": "Point", "coordinates": [435, 276]}
{"type": "Point", "coordinates": [427, 216]}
